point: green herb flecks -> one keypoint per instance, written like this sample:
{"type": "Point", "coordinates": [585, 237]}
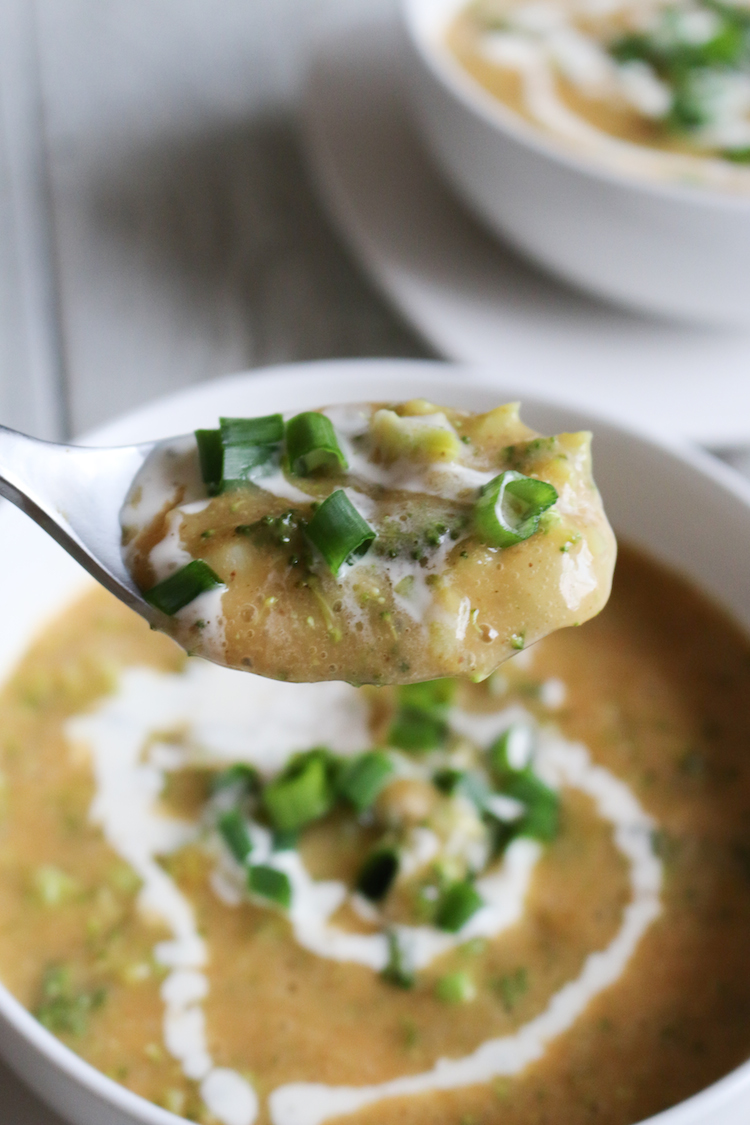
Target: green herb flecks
{"type": "Point", "coordinates": [62, 1008]}
{"type": "Point", "coordinates": [400, 968]}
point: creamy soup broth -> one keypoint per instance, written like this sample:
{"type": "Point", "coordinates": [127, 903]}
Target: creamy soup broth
{"type": "Point", "coordinates": [672, 78]}
{"type": "Point", "coordinates": [655, 689]}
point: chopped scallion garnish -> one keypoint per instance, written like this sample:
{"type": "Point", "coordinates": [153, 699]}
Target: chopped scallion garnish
{"type": "Point", "coordinates": [420, 721]}
{"type": "Point", "coordinates": [512, 751]}
{"type": "Point", "coordinates": [458, 903]}
{"type": "Point", "coordinates": [455, 988]}
{"type": "Point", "coordinates": [233, 829]}
{"type": "Point", "coordinates": [268, 430]}
{"type": "Point", "coordinates": [285, 841]}
{"type": "Point", "coordinates": [240, 777]}
{"type": "Point", "coordinates": [509, 508]}
{"type": "Point", "coordinates": [432, 696]}
{"type": "Point", "coordinates": [400, 968]}
{"type": "Point", "coordinates": [464, 782]}
{"type": "Point", "coordinates": [268, 882]}
{"type": "Point", "coordinates": [362, 779]}
{"type": "Point", "coordinates": [339, 531]}
{"type": "Point", "coordinates": [211, 456]}
{"type": "Point", "coordinates": [312, 445]}
{"type": "Point", "coordinates": [250, 446]}
{"type": "Point", "coordinates": [301, 794]}
{"type": "Point", "coordinates": [377, 874]}
{"type": "Point", "coordinates": [184, 586]}
{"type": "Point", "coordinates": [542, 817]}
{"type": "Point", "coordinates": [417, 731]}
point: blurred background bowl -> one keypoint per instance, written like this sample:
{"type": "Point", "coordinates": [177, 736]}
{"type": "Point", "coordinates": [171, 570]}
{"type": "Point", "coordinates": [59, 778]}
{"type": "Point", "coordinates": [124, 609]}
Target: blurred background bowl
{"type": "Point", "coordinates": [671, 249]}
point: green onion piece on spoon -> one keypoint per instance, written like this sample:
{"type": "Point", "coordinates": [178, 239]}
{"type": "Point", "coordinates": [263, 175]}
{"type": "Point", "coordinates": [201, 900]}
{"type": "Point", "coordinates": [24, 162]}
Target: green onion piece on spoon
{"type": "Point", "coordinates": [312, 445]}
{"type": "Point", "coordinates": [184, 586]}
{"type": "Point", "coordinates": [211, 456]}
{"type": "Point", "coordinates": [249, 445]}
{"type": "Point", "coordinates": [509, 507]}
{"type": "Point", "coordinates": [339, 531]}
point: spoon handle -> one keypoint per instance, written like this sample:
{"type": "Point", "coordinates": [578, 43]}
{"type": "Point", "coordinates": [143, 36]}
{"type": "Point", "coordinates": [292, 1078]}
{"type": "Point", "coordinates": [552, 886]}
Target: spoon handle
{"type": "Point", "coordinates": [75, 494]}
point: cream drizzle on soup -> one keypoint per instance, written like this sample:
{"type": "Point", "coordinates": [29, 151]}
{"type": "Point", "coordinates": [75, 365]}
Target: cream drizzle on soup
{"type": "Point", "coordinates": [367, 543]}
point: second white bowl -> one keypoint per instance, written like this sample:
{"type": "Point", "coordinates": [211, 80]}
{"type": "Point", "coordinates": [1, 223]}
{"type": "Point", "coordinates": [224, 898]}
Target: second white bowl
{"type": "Point", "coordinates": [668, 248]}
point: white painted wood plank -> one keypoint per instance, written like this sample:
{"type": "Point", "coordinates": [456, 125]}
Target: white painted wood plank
{"type": "Point", "coordinates": [31, 381]}
{"type": "Point", "coordinates": [190, 241]}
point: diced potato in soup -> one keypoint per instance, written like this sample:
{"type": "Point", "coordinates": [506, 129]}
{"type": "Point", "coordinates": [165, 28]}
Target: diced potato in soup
{"type": "Point", "coordinates": [370, 543]}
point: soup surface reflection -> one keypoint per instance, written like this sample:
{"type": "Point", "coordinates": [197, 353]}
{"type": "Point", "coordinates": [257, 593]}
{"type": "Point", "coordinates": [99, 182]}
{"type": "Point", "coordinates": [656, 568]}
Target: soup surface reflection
{"type": "Point", "coordinates": [257, 901]}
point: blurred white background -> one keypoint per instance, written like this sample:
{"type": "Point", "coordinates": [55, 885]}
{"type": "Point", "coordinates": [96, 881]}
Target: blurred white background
{"type": "Point", "coordinates": [157, 226]}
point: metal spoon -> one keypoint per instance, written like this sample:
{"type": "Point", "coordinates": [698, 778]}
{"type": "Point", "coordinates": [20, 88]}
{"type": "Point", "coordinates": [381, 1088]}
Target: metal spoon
{"type": "Point", "coordinates": [75, 494]}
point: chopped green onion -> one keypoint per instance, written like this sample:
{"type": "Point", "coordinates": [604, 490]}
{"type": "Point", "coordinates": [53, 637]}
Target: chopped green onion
{"type": "Point", "coordinates": [233, 829]}
{"type": "Point", "coordinates": [339, 531]}
{"type": "Point", "coordinates": [62, 1009]}
{"type": "Point", "coordinates": [312, 446]}
{"type": "Point", "coordinates": [737, 155]}
{"type": "Point", "coordinates": [420, 719]}
{"type": "Point", "coordinates": [464, 782]}
{"type": "Point", "coordinates": [455, 988]}
{"type": "Point", "coordinates": [284, 841]}
{"type": "Point", "coordinates": [184, 586]}
{"type": "Point", "coordinates": [249, 444]}
{"type": "Point", "coordinates": [377, 874]}
{"type": "Point", "coordinates": [432, 696]}
{"type": "Point", "coordinates": [509, 507]}
{"type": "Point", "coordinates": [512, 751]}
{"type": "Point", "coordinates": [211, 455]}
{"type": "Point", "coordinates": [243, 463]}
{"type": "Point", "coordinates": [458, 903]}
{"type": "Point", "coordinates": [268, 430]}
{"type": "Point", "coordinates": [542, 817]}
{"type": "Point", "coordinates": [364, 777]}
{"type": "Point", "coordinates": [301, 794]}
{"type": "Point", "coordinates": [512, 987]}
{"type": "Point", "coordinates": [417, 731]}
{"type": "Point", "coordinates": [400, 969]}
{"type": "Point", "coordinates": [239, 776]}
{"type": "Point", "coordinates": [268, 882]}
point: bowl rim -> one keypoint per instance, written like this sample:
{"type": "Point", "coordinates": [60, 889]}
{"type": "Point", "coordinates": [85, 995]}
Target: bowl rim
{"type": "Point", "coordinates": [473, 96]}
{"type": "Point", "coordinates": [302, 376]}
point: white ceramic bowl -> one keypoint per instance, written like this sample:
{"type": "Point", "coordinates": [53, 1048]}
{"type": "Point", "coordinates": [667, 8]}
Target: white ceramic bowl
{"type": "Point", "coordinates": [666, 248]}
{"type": "Point", "coordinates": [675, 502]}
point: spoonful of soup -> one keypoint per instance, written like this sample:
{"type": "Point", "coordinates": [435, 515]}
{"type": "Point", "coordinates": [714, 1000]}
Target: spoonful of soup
{"type": "Point", "coordinates": [374, 543]}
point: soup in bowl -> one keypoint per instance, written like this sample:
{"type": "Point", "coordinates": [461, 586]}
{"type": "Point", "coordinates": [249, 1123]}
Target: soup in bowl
{"type": "Point", "coordinates": [232, 899]}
